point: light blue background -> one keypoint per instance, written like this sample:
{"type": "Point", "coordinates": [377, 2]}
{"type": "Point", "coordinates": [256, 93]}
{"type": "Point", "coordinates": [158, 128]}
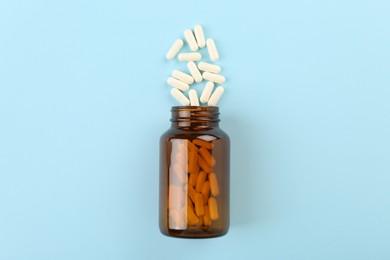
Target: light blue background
{"type": "Point", "coordinates": [83, 102]}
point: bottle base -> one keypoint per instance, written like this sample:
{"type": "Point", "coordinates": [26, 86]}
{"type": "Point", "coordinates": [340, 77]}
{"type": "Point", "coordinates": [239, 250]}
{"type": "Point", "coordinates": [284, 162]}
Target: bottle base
{"type": "Point", "coordinates": [210, 233]}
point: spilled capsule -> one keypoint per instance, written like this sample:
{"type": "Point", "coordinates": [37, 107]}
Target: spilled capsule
{"type": "Point", "coordinates": [213, 52]}
{"type": "Point", "coordinates": [190, 38]}
{"type": "Point", "coordinates": [194, 71]}
{"type": "Point", "coordinates": [176, 46]}
{"type": "Point", "coordinates": [184, 77]}
{"type": "Point", "coordinates": [190, 56]}
{"type": "Point", "coordinates": [193, 97]}
{"type": "Point", "coordinates": [199, 36]}
{"type": "Point", "coordinates": [209, 67]}
{"type": "Point", "coordinates": [217, 78]}
{"type": "Point", "coordinates": [206, 93]}
{"type": "Point", "coordinates": [178, 84]}
{"type": "Point", "coordinates": [180, 97]}
{"type": "Point", "coordinates": [216, 96]}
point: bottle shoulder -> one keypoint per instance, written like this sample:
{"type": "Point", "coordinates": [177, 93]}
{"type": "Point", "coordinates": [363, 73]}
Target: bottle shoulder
{"type": "Point", "coordinates": [213, 133]}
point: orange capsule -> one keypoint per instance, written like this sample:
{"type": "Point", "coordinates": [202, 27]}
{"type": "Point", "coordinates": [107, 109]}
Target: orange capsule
{"type": "Point", "coordinates": [203, 143]}
{"type": "Point", "coordinates": [191, 146]}
{"type": "Point", "coordinates": [199, 207]}
{"type": "Point", "coordinates": [200, 220]}
{"type": "Point", "coordinates": [204, 165]}
{"type": "Point", "coordinates": [213, 208]}
{"type": "Point", "coordinates": [206, 191]}
{"type": "Point", "coordinates": [207, 156]}
{"type": "Point", "coordinates": [200, 181]}
{"type": "Point", "coordinates": [214, 184]}
{"type": "Point", "coordinates": [190, 204]}
{"type": "Point", "coordinates": [193, 166]}
{"type": "Point", "coordinates": [191, 193]}
{"type": "Point", "coordinates": [206, 217]}
{"type": "Point", "coordinates": [192, 179]}
{"type": "Point", "coordinates": [191, 217]}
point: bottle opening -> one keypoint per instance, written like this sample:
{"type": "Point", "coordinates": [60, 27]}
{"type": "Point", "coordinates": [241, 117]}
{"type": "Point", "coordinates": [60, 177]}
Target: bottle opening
{"type": "Point", "coordinates": [188, 115]}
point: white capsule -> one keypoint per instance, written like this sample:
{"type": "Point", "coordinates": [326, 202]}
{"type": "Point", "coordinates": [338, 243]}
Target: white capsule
{"type": "Point", "coordinates": [216, 96]}
{"type": "Point", "coordinates": [190, 56]}
{"type": "Point", "coordinates": [182, 76]}
{"type": "Point", "coordinates": [178, 84]}
{"type": "Point", "coordinates": [206, 93]}
{"type": "Point", "coordinates": [199, 36]}
{"type": "Point", "coordinates": [217, 78]}
{"type": "Point", "coordinates": [194, 71]}
{"type": "Point", "coordinates": [193, 97]}
{"type": "Point", "coordinates": [191, 40]}
{"type": "Point", "coordinates": [209, 67]}
{"type": "Point", "coordinates": [213, 52]}
{"type": "Point", "coordinates": [180, 97]}
{"type": "Point", "coordinates": [174, 49]}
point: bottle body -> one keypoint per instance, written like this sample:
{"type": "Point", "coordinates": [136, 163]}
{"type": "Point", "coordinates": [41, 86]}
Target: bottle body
{"type": "Point", "coordinates": [194, 175]}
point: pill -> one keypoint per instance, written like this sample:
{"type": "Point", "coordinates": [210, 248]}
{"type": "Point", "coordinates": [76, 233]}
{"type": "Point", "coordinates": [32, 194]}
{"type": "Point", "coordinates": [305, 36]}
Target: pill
{"type": "Point", "coordinates": [191, 146]}
{"type": "Point", "coordinates": [178, 84]}
{"type": "Point", "coordinates": [203, 164]}
{"type": "Point", "coordinates": [194, 71]}
{"type": "Point", "coordinates": [213, 207]}
{"type": "Point", "coordinates": [206, 93]}
{"type": "Point", "coordinates": [180, 97]}
{"type": "Point", "coordinates": [191, 40]}
{"type": "Point", "coordinates": [217, 78]}
{"type": "Point", "coordinates": [203, 143]}
{"type": "Point", "coordinates": [213, 184]}
{"type": "Point", "coordinates": [213, 52]}
{"type": "Point", "coordinates": [200, 220]}
{"type": "Point", "coordinates": [206, 217]}
{"type": "Point", "coordinates": [189, 203]}
{"type": "Point", "coordinates": [192, 179]}
{"type": "Point", "coordinates": [207, 156]}
{"type": "Point", "coordinates": [190, 56]}
{"type": "Point", "coordinates": [199, 205]}
{"type": "Point", "coordinates": [209, 67]}
{"type": "Point", "coordinates": [200, 181]}
{"type": "Point", "coordinates": [216, 96]}
{"type": "Point", "coordinates": [192, 218]}
{"type": "Point", "coordinates": [176, 46]}
{"type": "Point", "coordinates": [193, 166]}
{"type": "Point", "coordinates": [199, 36]}
{"type": "Point", "coordinates": [193, 97]}
{"type": "Point", "coordinates": [192, 193]}
{"type": "Point", "coordinates": [206, 191]}
{"type": "Point", "coordinates": [184, 77]}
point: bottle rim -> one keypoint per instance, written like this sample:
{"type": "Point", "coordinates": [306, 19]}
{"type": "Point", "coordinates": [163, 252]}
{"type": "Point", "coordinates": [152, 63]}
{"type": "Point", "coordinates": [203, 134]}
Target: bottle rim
{"type": "Point", "coordinates": [195, 114]}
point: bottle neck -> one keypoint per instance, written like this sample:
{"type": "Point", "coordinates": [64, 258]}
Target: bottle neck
{"type": "Point", "coordinates": [195, 117]}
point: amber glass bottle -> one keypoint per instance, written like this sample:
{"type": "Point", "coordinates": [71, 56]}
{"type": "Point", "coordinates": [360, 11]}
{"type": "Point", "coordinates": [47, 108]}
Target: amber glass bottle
{"type": "Point", "coordinates": [194, 174]}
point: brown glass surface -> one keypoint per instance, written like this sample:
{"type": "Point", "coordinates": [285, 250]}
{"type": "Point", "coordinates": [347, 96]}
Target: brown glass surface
{"type": "Point", "coordinates": [188, 124]}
